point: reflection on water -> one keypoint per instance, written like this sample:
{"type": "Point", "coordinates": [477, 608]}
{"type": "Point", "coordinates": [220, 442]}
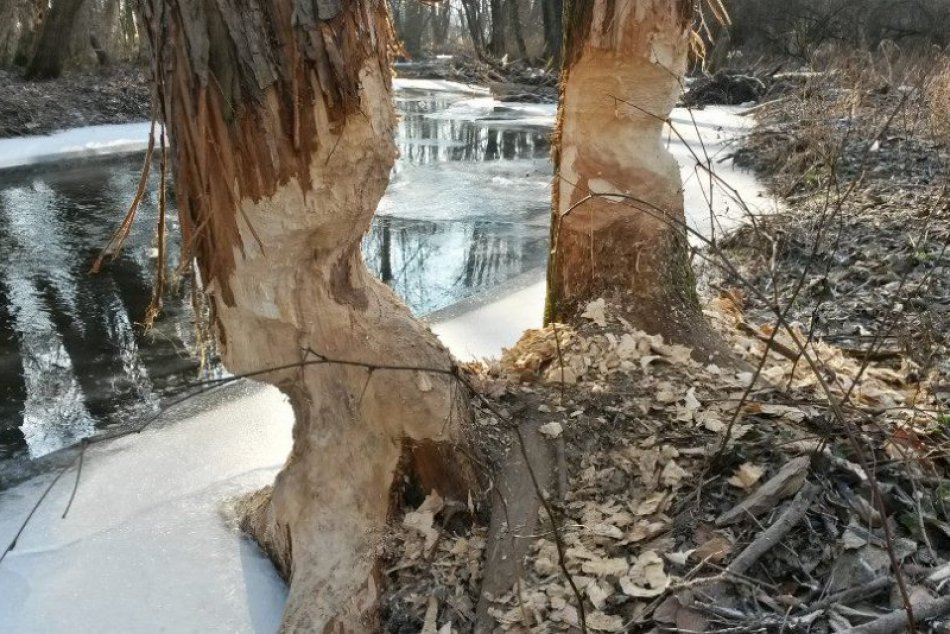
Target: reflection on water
{"type": "Point", "coordinates": [467, 210]}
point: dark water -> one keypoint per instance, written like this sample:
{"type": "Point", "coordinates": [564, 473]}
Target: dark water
{"type": "Point", "coordinates": [467, 210]}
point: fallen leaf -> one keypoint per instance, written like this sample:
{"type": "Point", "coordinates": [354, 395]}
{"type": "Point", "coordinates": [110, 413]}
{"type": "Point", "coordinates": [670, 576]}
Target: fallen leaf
{"type": "Point", "coordinates": [672, 474]}
{"type": "Point", "coordinates": [615, 566]}
{"type": "Point", "coordinates": [597, 595]}
{"type": "Point", "coordinates": [422, 518]}
{"type": "Point", "coordinates": [430, 626]}
{"type": "Point", "coordinates": [715, 549]}
{"type": "Point", "coordinates": [596, 312]}
{"type": "Point", "coordinates": [604, 622]}
{"type": "Point", "coordinates": [551, 430]}
{"type": "Point", "coordinates": [647, 576]}
{"type": "Point", "coordinates": [746, 476]}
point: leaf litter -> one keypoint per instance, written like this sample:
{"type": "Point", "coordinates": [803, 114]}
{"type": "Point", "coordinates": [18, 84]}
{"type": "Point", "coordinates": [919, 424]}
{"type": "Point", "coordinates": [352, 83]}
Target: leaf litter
{"type": "Point", "coordinates": [663, 493]}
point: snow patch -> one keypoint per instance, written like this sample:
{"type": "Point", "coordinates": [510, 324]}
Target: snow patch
{"type": "Point", "coordinates": [94, 140]}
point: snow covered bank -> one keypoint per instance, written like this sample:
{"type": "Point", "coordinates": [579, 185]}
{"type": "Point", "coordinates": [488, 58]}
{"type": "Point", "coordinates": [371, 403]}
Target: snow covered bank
{"type": "Point", "coordinates": [438, 85]}
{"type": "Point", "coordinates": [96, 140]}
{"type": "Point", "coordinates": [145, 547]}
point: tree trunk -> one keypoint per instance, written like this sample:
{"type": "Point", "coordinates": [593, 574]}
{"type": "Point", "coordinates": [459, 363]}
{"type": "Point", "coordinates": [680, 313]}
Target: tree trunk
{"type": "Point", "coordinates": [441, 24]}
{"type": "Point", "coordinates": [473, 22]}
{"type": "Point", "coordinates": [553, 11]}
{"type": "Point", "coordinates": [51, 48]}
{"type": "Point", "coordinates": [514, 19]}
{"type": "Point", "coordinates": [623, 62]}
{"type": "Point", "coordinates": [282, 118]}
{"type": "Point", "coordinates": [498, 45]}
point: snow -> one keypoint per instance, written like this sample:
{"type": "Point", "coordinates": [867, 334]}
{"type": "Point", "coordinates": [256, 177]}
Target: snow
{"type": "Point", "coordinates": [95, 140]}
{"type": "Point", "coordinates": [148, 544]}
{"type": "Point", "coordinates": [482, 332]}
{"type": "Point", "coordinates": [490, 111]}
{"type": "Point", "coordinates": [438, 85]}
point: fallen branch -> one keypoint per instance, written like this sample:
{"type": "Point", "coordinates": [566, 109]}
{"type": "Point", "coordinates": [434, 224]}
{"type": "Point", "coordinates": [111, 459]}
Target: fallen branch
{"type": "Point", "coordinates": [774, 533]}
{"type": "Point", "coordinates": [896, 621]}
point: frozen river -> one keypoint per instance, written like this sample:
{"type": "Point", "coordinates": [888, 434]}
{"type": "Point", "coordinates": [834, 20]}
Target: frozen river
{"type": "Point", "coordinates": [466, 215]}
{"type": "Point", "coordinates": [467, 211]}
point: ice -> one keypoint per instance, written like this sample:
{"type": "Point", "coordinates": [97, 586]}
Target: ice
{"type": "Point", "coordinates": [147, 545]}
{"type": "Point", "coordinates": [483, 331]}
{"type": "Point", "coordinates": [95, 140]}
{"type": "Point", "coordinates": [487, 110]}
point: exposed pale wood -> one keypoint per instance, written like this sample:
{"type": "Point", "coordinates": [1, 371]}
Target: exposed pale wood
{"type": "Point", "coordinates": [621, 80]}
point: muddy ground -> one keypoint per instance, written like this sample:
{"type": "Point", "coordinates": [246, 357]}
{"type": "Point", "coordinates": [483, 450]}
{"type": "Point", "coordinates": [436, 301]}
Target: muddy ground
{"type": "Point", "coordinates": [119, 94]}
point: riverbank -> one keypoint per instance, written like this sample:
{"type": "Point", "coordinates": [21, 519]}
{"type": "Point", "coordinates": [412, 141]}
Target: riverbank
{"type": "Point", "coordinates": [119, 94]}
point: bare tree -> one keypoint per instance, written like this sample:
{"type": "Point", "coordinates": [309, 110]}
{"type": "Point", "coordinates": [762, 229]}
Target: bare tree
{"type": "Point", "coordinates": [282, 117]}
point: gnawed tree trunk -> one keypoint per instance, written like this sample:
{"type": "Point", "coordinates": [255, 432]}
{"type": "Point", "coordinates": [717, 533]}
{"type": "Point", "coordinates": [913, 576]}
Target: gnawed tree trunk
{"type": "Point", "coordinates": [52, 46]}
{"type": "Point", "coordinates": [623, 62]}
{"type": "Point", "coordinates": [282, 121]}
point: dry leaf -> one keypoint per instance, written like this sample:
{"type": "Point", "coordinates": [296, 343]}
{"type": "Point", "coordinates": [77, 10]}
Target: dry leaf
{"type": "Point", "coordinates": [715, 549]}
{"type": "Point", "coordinates": [422, 518]}
{"type": "Point", "coordinates": [551, 430]}
{"type": "Point", "coordinates": [604, 622]}
{"type": "Point", "coordinates": [746, 476]}
{"type": "Point", "coordinates": [432, 613]}
{"type": "Point", "coordinates": [647, 576]}
{"type": "Point", "coordinates": [596, 312]}
{"type": "Point", "coordinates": [597, 595]}
{"type": "Point", "coordinates": [603, 567]}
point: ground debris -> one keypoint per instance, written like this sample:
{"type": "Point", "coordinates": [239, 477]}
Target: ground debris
{"type": "Point", "coordinates": [659, 449]}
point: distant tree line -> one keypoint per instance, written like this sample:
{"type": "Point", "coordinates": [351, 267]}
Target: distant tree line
{"type": "Point", "coordinates": [800, 29]}
{"type": "Point", "coordinates": [47, 36]}
{"type": "Point", "coordinates": [516, 29]}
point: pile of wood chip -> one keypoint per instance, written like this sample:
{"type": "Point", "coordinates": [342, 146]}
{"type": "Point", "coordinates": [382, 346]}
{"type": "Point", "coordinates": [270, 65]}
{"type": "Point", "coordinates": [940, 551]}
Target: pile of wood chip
{"type": "Point", "coordinates": [696, 497]}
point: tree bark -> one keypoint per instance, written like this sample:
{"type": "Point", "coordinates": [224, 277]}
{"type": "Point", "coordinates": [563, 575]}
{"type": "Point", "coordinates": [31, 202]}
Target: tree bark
{"type": "Point", "coordinates": [623, 62]}
{"type": "Point", "coordinates": [51, 49]}
{"type": "Point", "coordinates": [282, 118]}
{"type": "Point", "coordinates": [473, 22]}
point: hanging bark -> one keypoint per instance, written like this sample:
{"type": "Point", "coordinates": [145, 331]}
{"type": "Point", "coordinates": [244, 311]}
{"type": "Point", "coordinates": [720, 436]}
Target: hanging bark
{"type": "Point", "coordinates": [282, 120]}
{"type": "Point", "coordinates": [623, 62]}
{"type": "Point", "coordinates": [51, 50]}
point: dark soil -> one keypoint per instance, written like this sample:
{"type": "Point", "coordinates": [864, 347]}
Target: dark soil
{"type": "Point", "coordinates": [117, 95]}
{"type": "Point", "coordinates": [861, 255]}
